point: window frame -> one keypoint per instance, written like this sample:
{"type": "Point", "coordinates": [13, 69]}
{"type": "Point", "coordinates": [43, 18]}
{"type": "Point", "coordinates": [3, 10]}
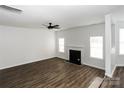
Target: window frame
{"type": "Point", "coordinates": [97, 56]}
{"type": "Point", "coordinates": [60, 45]}
{"type": "Point", "coordinates": [120, 52]}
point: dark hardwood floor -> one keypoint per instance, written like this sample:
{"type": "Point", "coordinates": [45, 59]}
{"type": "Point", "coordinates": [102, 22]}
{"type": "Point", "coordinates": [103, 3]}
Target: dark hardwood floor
{"type": "Point", "coordinates": [117, 81]}
{"type": "Point", "coordinates": [51, 73]}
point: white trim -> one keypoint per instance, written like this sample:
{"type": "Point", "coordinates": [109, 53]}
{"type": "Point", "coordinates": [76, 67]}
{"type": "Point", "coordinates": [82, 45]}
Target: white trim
{"type": "Point", "coordinates": [75, 46]}
{"type": "Point", "coordinates": [112, 73]}
{"type": "Point", "coordinates": [94, 66]}
{"type": "Point", "coordinates": [6, 67]}
{"type": "Point", "coordinates": [109, 75]}
{"type": "Point", "coordinates": [113, 70]}
{"type": "Point", "coordinates": [119, 65]}
{"type": "Point", "coordinates": [102, 68]}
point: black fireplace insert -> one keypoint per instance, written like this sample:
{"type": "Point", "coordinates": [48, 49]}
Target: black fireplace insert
{"type": "Point", "coordinates": [75, 56]}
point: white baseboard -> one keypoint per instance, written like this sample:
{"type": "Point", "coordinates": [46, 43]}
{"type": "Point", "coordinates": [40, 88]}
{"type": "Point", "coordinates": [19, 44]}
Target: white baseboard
{"type": "Point", "coordinates": [112, 73]}
{"type": "Point", "coordinates": [109, 75]}
{"type": "Point", "coordinates": [94, 66]}
{"type": "Point", "coordinates": [23, 63]}
{"type": "Point", "coordinates": [83, 63]}
{"type": "Point", "coordinates": [117, 65]}
{"type": "Point", "coordinates": [120, 65]}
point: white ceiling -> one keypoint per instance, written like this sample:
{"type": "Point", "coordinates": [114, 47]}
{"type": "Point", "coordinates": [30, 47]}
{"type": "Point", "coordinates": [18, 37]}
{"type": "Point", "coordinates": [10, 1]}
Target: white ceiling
{"type": "Point", "coordinates": [65, 16]}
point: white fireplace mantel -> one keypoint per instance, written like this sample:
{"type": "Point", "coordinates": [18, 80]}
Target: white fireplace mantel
{"type": "Point", "coordinates": [75, 47]}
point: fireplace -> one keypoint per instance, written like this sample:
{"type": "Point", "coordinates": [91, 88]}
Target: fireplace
{"type": "Point", "coordinates": [75, 56]}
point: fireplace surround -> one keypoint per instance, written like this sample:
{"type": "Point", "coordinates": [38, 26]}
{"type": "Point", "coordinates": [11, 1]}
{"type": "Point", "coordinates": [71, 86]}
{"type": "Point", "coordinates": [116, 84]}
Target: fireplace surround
{"type": "Point", "coordinates": [75, 56]}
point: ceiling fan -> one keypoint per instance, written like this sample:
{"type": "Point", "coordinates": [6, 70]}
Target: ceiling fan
{"type": "Point", "coordinates": [50, 26]}
{"type": "Point", "coordinates": [9, 8]}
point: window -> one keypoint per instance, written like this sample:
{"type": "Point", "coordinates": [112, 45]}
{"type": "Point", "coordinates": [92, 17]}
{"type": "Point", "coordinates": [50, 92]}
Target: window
{"type": "Point", "coordinates": [61, 44]}
{"type": "Point", "coordinates": [121, 41]}
{"type": "Point", "coordinates": [96, 47]}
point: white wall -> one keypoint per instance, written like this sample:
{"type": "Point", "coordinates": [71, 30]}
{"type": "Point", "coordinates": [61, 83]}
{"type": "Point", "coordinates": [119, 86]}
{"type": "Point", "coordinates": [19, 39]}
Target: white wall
{"type": "Point", "coordinates": [81, 37]}
{"type": "Point", "coordinates": [21, 45]}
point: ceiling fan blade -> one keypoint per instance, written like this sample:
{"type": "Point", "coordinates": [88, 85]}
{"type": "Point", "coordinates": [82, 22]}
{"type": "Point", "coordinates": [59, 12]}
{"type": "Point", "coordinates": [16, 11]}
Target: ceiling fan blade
{"type": "Point", "coordinates": [56, 26]}
{"type": "Point", "coordinates": [10, 8]}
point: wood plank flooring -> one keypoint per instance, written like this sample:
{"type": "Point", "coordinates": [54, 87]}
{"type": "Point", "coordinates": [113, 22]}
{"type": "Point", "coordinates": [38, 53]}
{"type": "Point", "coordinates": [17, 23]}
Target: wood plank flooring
{"type": "Point", "coordinates": [117, 81]}
{"type": "Point", "coordinates": [51, 73]}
